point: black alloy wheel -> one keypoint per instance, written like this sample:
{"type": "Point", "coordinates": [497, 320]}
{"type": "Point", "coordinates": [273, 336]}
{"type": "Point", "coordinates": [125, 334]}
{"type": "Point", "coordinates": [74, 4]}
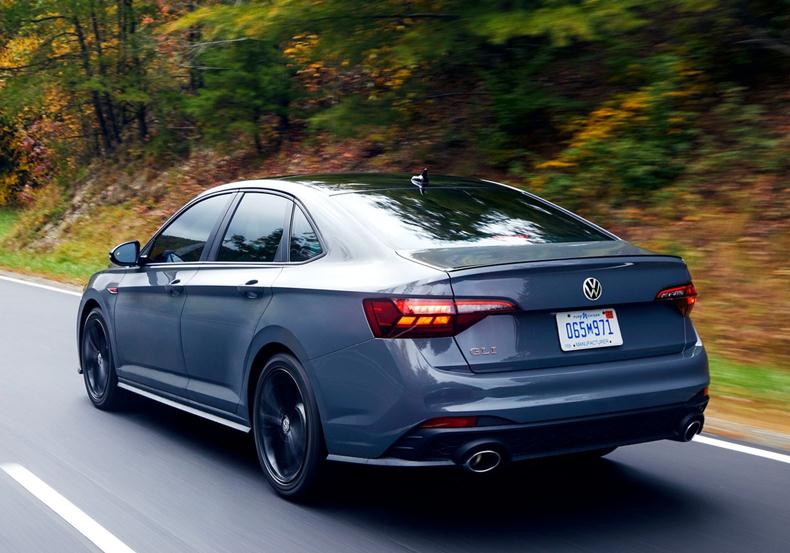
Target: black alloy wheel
{"type": "Point", "coordinates": [287, 427]}
{"type": "Point", "coordinates": [96, 360]}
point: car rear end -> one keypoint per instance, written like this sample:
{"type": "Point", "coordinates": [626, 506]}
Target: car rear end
{"type": "Point", "coordinates": [558, 337]}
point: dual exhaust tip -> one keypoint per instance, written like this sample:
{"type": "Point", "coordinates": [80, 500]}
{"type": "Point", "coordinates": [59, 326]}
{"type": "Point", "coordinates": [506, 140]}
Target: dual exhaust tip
{"type": "Point", "coordinates": [484, 459]}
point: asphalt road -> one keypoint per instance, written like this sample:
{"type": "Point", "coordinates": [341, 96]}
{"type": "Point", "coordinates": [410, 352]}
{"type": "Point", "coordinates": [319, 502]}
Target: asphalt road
{"type": "Point", "coordinates": [163, 481]}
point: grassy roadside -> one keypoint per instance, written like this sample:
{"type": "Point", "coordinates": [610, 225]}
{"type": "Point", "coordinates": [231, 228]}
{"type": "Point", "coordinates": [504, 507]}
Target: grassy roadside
{"type": "Point", "coordinates": [731, 379]}
{"type": "Point", "coordinates": [70, 262]}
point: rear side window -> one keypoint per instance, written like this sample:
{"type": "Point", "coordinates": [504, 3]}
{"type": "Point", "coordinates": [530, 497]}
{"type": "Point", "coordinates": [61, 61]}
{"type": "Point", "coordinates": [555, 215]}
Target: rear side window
{"type": "Point", "coordinates": [184, 239]}
{"type": "Point", "coordinates": [256, 229]}
{"type": "Point", "coordinates": [304, 240]}
{"type": "Point", "coordinates": [407, 219]}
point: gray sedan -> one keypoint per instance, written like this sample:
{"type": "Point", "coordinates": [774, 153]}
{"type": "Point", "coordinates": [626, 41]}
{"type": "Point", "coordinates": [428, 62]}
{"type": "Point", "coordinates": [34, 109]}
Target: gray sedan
{"type": "Point", "coordinates": [397, 320]}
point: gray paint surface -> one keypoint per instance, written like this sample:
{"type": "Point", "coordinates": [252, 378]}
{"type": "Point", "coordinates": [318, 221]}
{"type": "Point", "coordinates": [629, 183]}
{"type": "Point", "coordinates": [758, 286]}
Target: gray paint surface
{"type": "Point", "coordinates": [163, 481]}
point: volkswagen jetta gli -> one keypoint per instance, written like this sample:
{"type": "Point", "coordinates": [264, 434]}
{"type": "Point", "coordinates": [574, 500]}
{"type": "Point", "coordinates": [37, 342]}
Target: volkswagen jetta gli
{"type": "Point", "coordinates": [389, 320]}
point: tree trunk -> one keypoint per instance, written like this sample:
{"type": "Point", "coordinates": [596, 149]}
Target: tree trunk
{"type": "Point", "coordinates": [142, 125]}
{"type": "Point", "coordinates": [193, 37]}
{"type": "Point", "coordinates": [108, 103]}
{"type": "Point", "coordinates": [141, 111]}
{"type": "Point", "coordinates": [256, 133]}
{"type": "Point", "coordinates": [95, 100]}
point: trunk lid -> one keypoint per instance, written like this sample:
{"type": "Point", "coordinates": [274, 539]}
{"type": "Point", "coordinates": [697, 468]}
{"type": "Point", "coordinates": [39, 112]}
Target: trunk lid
{"type": "Point", "coordinates": [530, 339]}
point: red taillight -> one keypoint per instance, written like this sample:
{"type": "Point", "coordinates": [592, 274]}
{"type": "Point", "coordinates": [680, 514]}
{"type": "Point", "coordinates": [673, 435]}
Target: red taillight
{"type": "Point", "coordinates": [684, 297]}
{"type": "Point", "coordinates": [428, 317]}
{"type": "Point", "coordinates": [450, 422]}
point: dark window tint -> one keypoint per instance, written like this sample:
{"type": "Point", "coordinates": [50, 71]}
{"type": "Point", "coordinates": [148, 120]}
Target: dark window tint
{"type": "Point", "coordinates": [409, 220]}
{"type": "Point", "coordinates": [256, 229]}
{"type": "Point", "coordinates": [184, 239]}
{"type": "Point", "coordinates": [304, 240]}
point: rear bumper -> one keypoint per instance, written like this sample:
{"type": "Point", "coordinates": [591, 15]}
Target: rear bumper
{"type": "Point", "coordinates": [526, 441]}
{"type": "Point", "coordinates": [372, 398]}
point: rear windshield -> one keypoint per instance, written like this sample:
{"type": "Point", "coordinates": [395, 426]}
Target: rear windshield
{"type": "Point", "coordinates": [407, 219]}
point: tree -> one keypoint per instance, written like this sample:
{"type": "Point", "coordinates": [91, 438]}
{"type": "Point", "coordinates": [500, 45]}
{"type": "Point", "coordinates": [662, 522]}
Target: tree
{"type": "Point", "coordinates": [246, 84]}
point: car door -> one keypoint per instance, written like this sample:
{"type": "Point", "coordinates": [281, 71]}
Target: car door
{"type": "Point", "coordinates": [226, 298]}
{"type": "Point", "coordinates": [151, 298]}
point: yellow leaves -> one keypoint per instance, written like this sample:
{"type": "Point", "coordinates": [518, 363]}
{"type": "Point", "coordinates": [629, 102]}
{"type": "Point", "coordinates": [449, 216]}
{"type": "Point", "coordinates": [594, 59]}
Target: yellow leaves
{"type": "Point", "coordinates": [7, 183]}
{"type": "Point", "coordinates": [554, 164]}
{"type": "Point", "coordinates": [397, 78]}
{"type": "Point", "coordinates": [18, 51]}
{"type": "Point", "coordinates": [600, 124]}
{"type": "Point", "coordinates": [636, 101]}
{"type": "Point", "coordinates": [300, 48]}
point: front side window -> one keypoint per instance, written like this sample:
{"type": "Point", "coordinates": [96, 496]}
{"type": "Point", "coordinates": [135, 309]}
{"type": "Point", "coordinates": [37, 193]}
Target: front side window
{"type": "Point", "coordinates": [304, 240]}
{"type": "Point", "coordinates": [185, 238]}
{"type": "Point", "coordinates": [256, 230]}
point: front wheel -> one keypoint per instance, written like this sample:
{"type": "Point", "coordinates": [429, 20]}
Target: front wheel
{"type": "Point", "coordinates": [287, 428]}
{"type": "Point", "coordinates": [98, 363]}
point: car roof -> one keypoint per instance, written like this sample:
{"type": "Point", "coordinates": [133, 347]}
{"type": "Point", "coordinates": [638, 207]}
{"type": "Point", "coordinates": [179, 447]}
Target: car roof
{"type": "Point", "coordinates": [340, 183]}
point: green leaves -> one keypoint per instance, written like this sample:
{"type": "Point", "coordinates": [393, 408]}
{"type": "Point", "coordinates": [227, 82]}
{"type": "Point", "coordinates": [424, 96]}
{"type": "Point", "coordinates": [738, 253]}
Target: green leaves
{"type": "Point", "coordinates": [247, 83]}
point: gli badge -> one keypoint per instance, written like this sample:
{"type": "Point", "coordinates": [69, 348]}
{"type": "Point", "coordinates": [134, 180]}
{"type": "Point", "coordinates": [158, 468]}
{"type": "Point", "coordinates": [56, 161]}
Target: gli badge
{"type": "Point", "coordinates": [485, 350]}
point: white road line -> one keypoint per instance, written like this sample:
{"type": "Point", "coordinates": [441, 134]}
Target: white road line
{"type": "Point", "coordinates": [37, 285]}
{"type": "Point", "coordinates": [707, 440]}
{"type": "Point", "coordinates": [64, 508]}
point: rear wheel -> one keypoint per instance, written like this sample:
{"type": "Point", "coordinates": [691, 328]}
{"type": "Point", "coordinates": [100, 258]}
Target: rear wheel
{"type": "Point", "coordinates": [287, 428]}
{"type": "Point", "coordinates": [98, 364]}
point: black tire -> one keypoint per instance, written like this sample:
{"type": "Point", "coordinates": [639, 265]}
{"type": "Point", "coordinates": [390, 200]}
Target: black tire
{"type": "Point", "coordinates": [287, 428]}
{"type": "Point", "coordinates": [98, 363]}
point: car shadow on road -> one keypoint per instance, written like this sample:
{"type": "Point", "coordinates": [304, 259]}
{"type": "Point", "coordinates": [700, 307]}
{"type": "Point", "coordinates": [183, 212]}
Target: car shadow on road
{"type": "Point", "coordinates": [551, 501]}
{"type": "Point", "coordinates": [547, 502]}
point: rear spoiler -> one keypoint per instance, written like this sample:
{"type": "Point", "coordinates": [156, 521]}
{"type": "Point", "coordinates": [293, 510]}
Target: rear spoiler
{"type": "Point", "coordinates": [469, 257]}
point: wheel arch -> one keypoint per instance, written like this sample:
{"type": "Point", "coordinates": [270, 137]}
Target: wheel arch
{"type": "Point", "coordinates": [88, 305]}
{"type": "Point", "coordinates": [268, 343]}
{"type": "Point", "coordinates": [259, 361]}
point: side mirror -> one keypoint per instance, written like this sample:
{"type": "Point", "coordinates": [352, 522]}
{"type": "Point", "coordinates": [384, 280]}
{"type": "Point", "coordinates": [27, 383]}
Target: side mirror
{"type": "Point", "coordinates": [126, 254]}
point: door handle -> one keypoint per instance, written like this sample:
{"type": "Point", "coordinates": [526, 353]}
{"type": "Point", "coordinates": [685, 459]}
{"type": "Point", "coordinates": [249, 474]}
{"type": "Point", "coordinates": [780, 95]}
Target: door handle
{"type": "Point", "coordinates": [174, 287]}
{"type": "Point", "coordinates": [250, 290]}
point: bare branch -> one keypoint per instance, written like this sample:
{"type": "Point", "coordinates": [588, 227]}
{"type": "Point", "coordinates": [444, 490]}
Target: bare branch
{"type": "Point", "coordinates": [417, 15]}
{"type": "Point", "coordinates": [450, 94]}
{"type": "Point", "coordinates": [768, 43]}
{"type": "Point", "coordinates": [200, 45]}
{"type": "Point", "coordinates": [43, 19]}
{"type": "Point", "coordinates": [37, 64]}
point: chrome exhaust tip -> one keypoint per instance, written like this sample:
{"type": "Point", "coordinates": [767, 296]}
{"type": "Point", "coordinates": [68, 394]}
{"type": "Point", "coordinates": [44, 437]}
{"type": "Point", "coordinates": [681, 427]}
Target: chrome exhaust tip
{"type": "Point", "coordinates": [482, 461]}
{"type": "Point", "coordinates": [692, 429]}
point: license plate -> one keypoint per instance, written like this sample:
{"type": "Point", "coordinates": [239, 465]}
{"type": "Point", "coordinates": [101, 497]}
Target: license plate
{"type": "Point", "coordinates": [596, 328]}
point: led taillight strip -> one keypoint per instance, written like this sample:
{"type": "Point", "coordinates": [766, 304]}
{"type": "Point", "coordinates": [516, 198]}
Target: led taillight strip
{"type": "Point", "coordinates": [684, 296]}
{"type": "Point", "coordinates": [429, 317]}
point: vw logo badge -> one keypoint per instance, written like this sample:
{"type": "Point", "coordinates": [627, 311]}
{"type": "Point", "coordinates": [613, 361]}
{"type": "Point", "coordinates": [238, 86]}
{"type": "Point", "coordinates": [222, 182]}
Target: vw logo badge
{"type": "Point", "coordinates": [592, 289]}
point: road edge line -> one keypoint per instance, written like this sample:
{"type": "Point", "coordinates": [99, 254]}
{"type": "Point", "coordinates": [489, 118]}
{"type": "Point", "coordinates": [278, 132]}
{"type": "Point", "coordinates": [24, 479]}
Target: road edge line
{"type": "Point", "coordinates": [65, 509]}
{"type": "Point", "coordinates": [757, 452]}
{"type": "Point", "coordinates": [38, 285]}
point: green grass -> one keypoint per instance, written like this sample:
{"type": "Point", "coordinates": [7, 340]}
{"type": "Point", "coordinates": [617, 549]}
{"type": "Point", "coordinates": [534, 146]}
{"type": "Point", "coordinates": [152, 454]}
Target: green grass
{"type": "Point", "coordinates": [758, 382]}
{"type": "Point", "coordinates": [8, 217]}
{"type": "Point", "coordinates": [59, 264]}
